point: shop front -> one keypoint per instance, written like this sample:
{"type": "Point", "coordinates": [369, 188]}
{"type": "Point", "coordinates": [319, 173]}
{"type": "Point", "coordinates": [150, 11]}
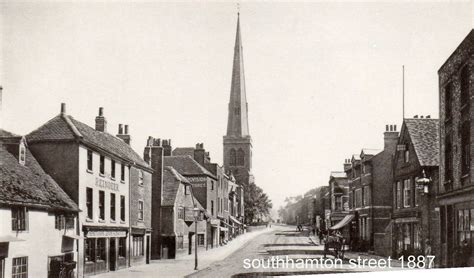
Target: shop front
{"type": "Point", "coordinates": [407, 237]}
{"type": "Point", "coordinates": [104, 249]}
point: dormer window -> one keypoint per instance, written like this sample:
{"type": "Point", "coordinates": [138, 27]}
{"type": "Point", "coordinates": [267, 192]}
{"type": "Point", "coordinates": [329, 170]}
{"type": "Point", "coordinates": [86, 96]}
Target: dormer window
{"type": "Point", "coordinates": [22, 154]}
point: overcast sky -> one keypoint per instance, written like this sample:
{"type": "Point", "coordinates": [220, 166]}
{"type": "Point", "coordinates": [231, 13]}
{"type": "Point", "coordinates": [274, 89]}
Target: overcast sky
{"type": "Point", "coordinates": [323, 79]}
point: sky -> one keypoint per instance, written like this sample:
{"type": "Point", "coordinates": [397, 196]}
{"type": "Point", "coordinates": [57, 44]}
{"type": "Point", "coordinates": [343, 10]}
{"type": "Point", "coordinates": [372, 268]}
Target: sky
{"type": "Point", "coordinates": [322, 78]}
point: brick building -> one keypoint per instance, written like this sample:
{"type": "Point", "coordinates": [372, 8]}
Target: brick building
{"type": "Point", "coordinates": [93, 167]}
{"type": "Point", "coordinates": [38, 232]}
{"type": "Point", "coordinates": [456, 187]}
{"type": "Point", "coordinates": [338, 201]}
{"type": "Point", "coordinates": [414, 217]}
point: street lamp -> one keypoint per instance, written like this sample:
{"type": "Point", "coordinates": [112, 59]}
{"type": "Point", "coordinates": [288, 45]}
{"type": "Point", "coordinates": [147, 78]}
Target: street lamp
{"type": "Point", "coordinates": [196, 213]}
{"type": "Point", "coordinates": [423, 183]}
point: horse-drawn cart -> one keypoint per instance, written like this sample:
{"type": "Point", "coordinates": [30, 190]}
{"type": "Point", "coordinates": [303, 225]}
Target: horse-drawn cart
{"type": "Point", "coordinates": [336, 243]}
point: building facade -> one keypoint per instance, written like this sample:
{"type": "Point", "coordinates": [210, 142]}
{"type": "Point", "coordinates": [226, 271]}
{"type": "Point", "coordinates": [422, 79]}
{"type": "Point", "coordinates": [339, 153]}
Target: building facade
{"type": "Point", "coordinates": [93, 167]}
{"type": "Point", "coordinates": [38, 233]}
{"type": "Point", "coordinates": [456, 187]}
{"type": "Point", "coordinates": [415, 220]}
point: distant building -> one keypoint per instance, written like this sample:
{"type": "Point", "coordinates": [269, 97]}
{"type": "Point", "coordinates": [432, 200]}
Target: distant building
{"type": "Point", "coordinates": [38, 231]}
{"type": "Point", "coordinates": [93, 167]}
{"type": "Point", "coordinates": [456, 187]}
{"type": "Point", "coordinates": [414, 217]}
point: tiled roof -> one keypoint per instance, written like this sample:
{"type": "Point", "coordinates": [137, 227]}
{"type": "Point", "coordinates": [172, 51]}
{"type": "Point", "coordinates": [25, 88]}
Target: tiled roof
{"type": "Point", "coordinates": [186, 166]}
{"type": "Point", "coordinates": [424, 134]}
{"type": "Point", "coordinates": [29, 185]}
{"type": "Point", "coordinates": [7, 134]}
{"type": "Point", "coordinates": [183, 151]}
{"type": "Point", "coordinates": [65, 127]}
{"type": "Point", "coordinates": [171, 182]}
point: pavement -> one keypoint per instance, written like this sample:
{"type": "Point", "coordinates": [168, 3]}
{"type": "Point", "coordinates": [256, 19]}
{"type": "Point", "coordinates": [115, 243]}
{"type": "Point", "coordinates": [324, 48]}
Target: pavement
{"type": "Point", "coordinates": [184, 265]}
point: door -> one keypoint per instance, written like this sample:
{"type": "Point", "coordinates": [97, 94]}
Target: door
{"type": "Point", "coordinates": [147, 249]}
{"type": "Point", "coordinates": [450, 235]}
{"type": "Point", "coordinates": [112, 254]}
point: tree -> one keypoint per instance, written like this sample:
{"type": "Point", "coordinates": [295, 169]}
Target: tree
{"type": "Point", "coordinates": [257, 203]}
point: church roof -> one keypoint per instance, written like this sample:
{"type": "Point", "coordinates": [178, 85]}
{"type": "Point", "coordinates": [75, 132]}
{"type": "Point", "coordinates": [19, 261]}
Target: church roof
{"type": "Point", "coordinates": [237, 125]}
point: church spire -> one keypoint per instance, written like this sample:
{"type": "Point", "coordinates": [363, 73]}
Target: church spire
{"type": "Point", "coordinates": [237, 124]}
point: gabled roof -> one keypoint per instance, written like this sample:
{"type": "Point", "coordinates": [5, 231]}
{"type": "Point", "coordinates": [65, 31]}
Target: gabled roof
{"type": "Point", "coordinates": [66, 128]}
{"type": "Point", "coordinates": [171, 181]}
{"type": "Point", "coordinates": [29, 185]}
{"type": "Point", "coordinates": [424, 134]}
{"type": "Point", "coordinates": [371, 152]}
{"type": "Point", "coordinates": [183, 151]}
{"type": "Point", "coordinates": [186, 166]}
{"type": "Point", "coordinates": [7, 134]}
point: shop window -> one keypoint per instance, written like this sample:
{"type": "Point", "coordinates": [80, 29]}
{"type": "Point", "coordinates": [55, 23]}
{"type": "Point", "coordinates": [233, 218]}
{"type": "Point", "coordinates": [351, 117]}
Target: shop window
{"type": "Point", "coordinates": [179, 242]}
{"type": "Point", "coordinates": [101, 205]}
{"type": "Point", "coordinates": [140, 210]}
{"type": "Point", "coordinates": [100, 249]}
{"type": "Point", "coordinates": [112, 206]}
{"type": "Point", "coordinates": [89, 200]}
{"type": "Point", "coordinates": [465, 226]}
{"type": "Point", "coordinates": [89, 248]}
{"type": "Point", "coordinates": [112, 169]}
{"type": "Point", "coordinates": [19, 219]}
{"type": "Point", "coordinates": [20, 267]}
{"type": "Point", "coordinates": [102, 165]}
{"type": "Point", "coordinates": [89, 160]}
{"type": "Point", "coordinates": [200, 239]}
{"type": "Point", "coordinates": [122, 208]}
{"type": "Point", "coordinates": [122, 245]}
{"type": "Point", "coordinates": [137, 246]}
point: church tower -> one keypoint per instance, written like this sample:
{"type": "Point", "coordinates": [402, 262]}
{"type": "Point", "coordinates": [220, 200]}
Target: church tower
{"type": "Point", "coordinates": [237, 141]}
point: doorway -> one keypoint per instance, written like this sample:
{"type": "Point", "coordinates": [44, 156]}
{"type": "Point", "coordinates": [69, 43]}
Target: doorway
{"type": "Point", "coordinates": [112, 254]}
{"type": "Point", "coordinates": [147, 249]}
{"type": "Point", "coordinates": [450, 235]}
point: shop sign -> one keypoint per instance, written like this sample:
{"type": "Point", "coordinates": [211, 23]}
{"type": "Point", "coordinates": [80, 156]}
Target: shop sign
{"type": "Point", "coordinates": [196, 179]}
{"type": "Point", "coordinates": [106, 184]}
{"type": "Point", "coordinates": [92, 234]}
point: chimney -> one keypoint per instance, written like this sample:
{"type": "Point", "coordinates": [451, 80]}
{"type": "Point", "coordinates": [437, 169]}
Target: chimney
{"type": "Point", "coordinates": [63, 109]}
{"type": "Point", "coordinates": [390, 138]}
{"type": "Point", "coordinates": [153, 154]}
{"type": "Point", "coordinates": [100, 121]}
{"type": "Point", "coordinates": [415, 117]}
{"type": "Point", "coordinates": [167, 147]}
{"type": "Point", "coordinates": [123, 134]}
{"type": "Point", "coordinates": [428, 116]}
{"type": "Point", "coordinates": [347, 164]}
{"type": "Point", "coordinates": [200, 154]}
{"type": "Point", "coordinates": [421, 117]}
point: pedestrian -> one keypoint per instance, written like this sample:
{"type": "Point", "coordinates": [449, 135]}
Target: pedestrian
{"type": "Point", "coordinates": [427, 251]}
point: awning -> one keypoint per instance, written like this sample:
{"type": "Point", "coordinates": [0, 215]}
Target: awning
{"type": "Point", "coordinates": [10, 239]}
{"type": "Point", "coordinates": [235, 220]}
{"type": "Point", "coordinates": [74, 236]}
{"type": "Point", "coordinates": [346, 220]}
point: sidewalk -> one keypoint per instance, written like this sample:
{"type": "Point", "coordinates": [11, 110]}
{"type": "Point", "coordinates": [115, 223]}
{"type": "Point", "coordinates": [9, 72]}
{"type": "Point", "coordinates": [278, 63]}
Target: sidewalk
{"type": "Point", "coordinates": [184, 265]}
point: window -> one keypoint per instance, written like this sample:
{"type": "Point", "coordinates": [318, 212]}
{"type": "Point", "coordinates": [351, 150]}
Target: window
{"type": "Point", "coordinates": [448, 166]}
{"type": "Point", "coordinates": [233, 157]}
{"type": "Point", "coordinates": [212, 207]}
{"type": "Point", "coordinates": [140, 210]}
{"type": "Point", "coordinates": [89, 247]}
{"type": "Point", "coordinates": [89, 199]}
{"type": "Point", "coordinates": [241, 157]}
{"type": "Point", "coordinates": [358, 199]}
{"type": "Point", "coordinates": [399, 194]}
{"type": "Point", "coordinates": [102, 165]}
{"type": "Point", "coordinates": [20, 267]}
{"type": "Point", "coordinates": [19, 219]}
{"type": "Point", "coordinates": [100, 249]}
{"type": "Point", "coordinates": [89, 160]}
{"type": "Point", "coordinates": [70, 221]}
{"type": "Point", "coordinates": [448, 96]}
{"type": "Point", "coordinates": [122, 245]}
{"type": "Point", "coordinates": [338, 203]}
{"type": "Point", "coordinates": [140, 177]}
{"type": "Point", "coordinates": [406, 193]}
{"type": "Point", "coordinates": [122, 208]}
{"type": "Point", "coordinates": [112, 206]}
{"type": "Point", "coordinates": [466, 226]}
{"type": "Point", "coordinates": [112, 169]}
{"type": "Point", "coordinates": [417, 194]}
{"type": "Point", "coordinates": [101, 205]}
{"type": "Point", "coordinates": [122, 172]}
{"type": "Point", "coordinates": [365, 196]}
{"type": "Point", "coordinates": [137, 246]}
{"type": "Point", "coordinates": [59, 222]}
{"type": "Point", "coordinates": [200, 239]}
{"type": "Point", "coordinates": [181, 213]}
{"type": "Point", "coordinates": [465, 87]}
{"type": "Point", "coordinates": [465, 147]}
{"type": "Point", "coordinates": [22, 154]}
{"type": "Point", "coordinates": [186, 190]}
{"type": "Point", "coordinates": [406, 156]}
{"type": "Point", "coordinates": [179, 242]}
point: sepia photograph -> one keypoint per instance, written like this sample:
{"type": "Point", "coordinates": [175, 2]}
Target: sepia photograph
{"type": "Point", "coordinates": [200, 138]}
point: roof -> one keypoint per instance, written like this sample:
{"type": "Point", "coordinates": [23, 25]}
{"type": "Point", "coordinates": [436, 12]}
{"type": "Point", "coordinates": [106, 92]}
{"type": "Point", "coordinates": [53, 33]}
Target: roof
{"type": "Point", "coordinates": [424, 134]}
{"type": "Point", "coordinates": [370, 151]}
{"type": "Point", "coordinates": [29, 185]}
{"type": "Point", "coordinates": [338, 174]}
{"type": "Point", "coordinates": [7, 134]}
{"type": "Point", "coordinates": [65, 127]}
{"type": "Point", "coordinates": [171, 181]}
{"type": "Point", "coordinates": [356, 156]}
{"type": "Point", "coordinates": [183, 151]}
{"type": "Point", "coordinates": [186, 166]}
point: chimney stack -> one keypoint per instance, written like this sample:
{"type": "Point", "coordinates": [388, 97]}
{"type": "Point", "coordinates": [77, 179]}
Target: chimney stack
{"type": "Point", "coordinates": [100, 121]}
{"type": "Point", "coordinates": [347, 164]}
{"type": "Point", "coordinates": [415, 117]}
{"type": "Point", "coordinates": [428, 116]}
{"type": "Point", "coordinates": [390, 138]}
{"type": "Point", "coordinates": [167, 147]}
{"type": "Point", "coordinates": [63, 109]}
{"type": "Point", "coordinates": [200, 154]}
{"type": "Point", "coordinates": [124, 134]}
